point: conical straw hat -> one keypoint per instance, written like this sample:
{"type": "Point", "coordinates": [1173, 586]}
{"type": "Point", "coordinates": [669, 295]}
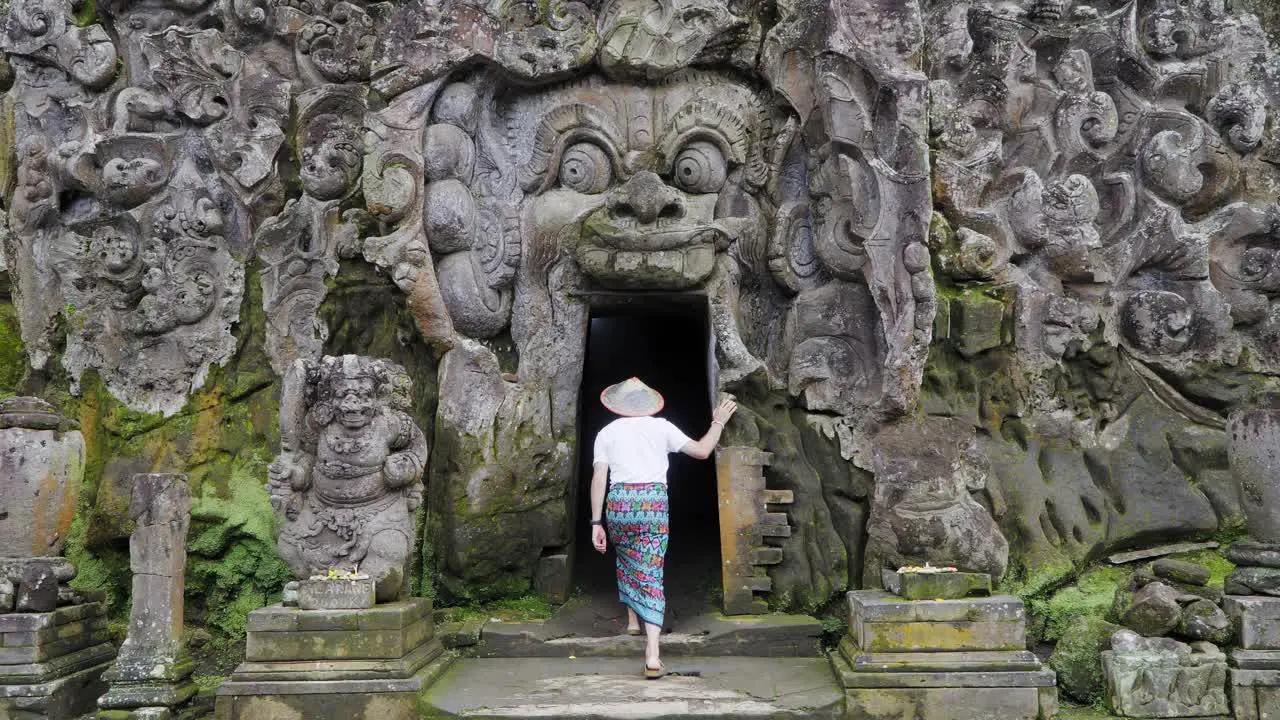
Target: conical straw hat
{"type": "Point", "coordinates": [632, 398]}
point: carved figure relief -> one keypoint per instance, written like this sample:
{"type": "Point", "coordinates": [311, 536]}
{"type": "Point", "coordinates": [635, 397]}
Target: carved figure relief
{"type": "Point", "coordinates": [349, 475]}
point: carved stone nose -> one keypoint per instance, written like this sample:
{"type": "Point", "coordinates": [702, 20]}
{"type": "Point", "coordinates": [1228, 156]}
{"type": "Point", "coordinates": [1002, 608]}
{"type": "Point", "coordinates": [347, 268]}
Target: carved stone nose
{"type": "Point", "coordinates": [646, 197]}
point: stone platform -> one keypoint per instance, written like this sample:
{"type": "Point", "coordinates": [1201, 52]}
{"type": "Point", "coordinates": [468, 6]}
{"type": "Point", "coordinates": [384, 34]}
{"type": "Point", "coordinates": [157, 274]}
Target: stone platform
{"type": "Point", "coordinates": [51, 663]}
{"type": "Point", "coordinates": [607, 688]}
{"type": "Point", "coordinates": [370, 663]}
{"type": "Point", "coordinates": [941, 660]}
{"type": "Point", "coordinates": [1254, 677]}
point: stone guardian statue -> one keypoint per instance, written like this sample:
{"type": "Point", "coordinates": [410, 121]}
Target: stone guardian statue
{"type": "Point", "coordinates": [349, 475]}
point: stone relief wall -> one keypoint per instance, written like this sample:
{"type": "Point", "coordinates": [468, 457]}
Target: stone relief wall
{"type": "Point", "coordinates": [1039, 234]}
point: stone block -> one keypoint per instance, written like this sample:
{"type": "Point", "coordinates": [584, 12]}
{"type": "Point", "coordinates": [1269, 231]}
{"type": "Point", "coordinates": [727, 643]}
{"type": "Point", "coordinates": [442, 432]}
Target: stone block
{"type": "Point", "coordinates": [1255, 554]}
{"type": "Point", "coordinates": [938, 662]}
{"type": "Point", "coordinates": [1257, 620]}
{"type": "Point", "coordinates": [936, 586]}
{"type": "Point", "coordinates": [336, 644]}
{"type": "Point", "coordinates": [311, 670]}
{"type": "Point", "coordinates": [57, 667]}
{"type": "Point", "coordinates": [948, 703]}
{"type": "Point", "coordinates": [70, 695]}
{"type": "Point", "coordinates": [1255, 659]}
{"type": "Point", "coordinates": [1255, 695]}
{"type": "Point", "coordinates": [364, 699]}
{"type": "Point", "coordinates": [1253, 581]}
{"type": "Point", "coordinates": [461, 634]}
{"type": "Point", "coordinates": [1154, 684]}
{"type": "Point", "coordinates": [1180, 571]}
{"type": "Point", "coordinates": [977, 323]}
{"type": "Point", "coordinates": [355, 594]}
{"type": "Point", "coordinates": [881, 622]}
{"type": "Point", "coordinates": [552, 577]}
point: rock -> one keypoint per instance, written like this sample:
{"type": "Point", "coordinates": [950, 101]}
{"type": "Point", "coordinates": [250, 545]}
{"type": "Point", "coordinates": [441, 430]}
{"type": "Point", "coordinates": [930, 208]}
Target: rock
{"type": "Point", "coordinates": [922, 510]}
{"type": "Point", "coordinates": [1154, 610]}
{"type": "Point", "coordinates": [1254, 447]}
{"type": "Point", "coordinates": [1255, 554]}
{"type": "Point", "coordinates": [7, 595]}
{"type": "Point", "coordinates": [936, 586]}
{"type": "Point", "coordinates": [358, 454]}
{"type": "Point", "coordinates": [37, 589]}
{"type": "Point", "coordinates": [42, 458]}
{"type": "Point", "coordinates": [1077, 658]}
{"type": "Point", "coordinates": [1253, 581]}
{"type": "Point", "coordinates": [1165, 678]}
{"type": "Point", "coordinates": [1180, 571]}
{"type": "Point", "coordinates": [1202, 620]}
{"type": "Point", "coordinates": [1146, 575]}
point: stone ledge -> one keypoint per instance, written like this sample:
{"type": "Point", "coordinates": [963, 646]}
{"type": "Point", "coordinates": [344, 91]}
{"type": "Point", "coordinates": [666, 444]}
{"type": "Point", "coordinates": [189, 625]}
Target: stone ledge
{"type": "Point", "coordinates": [411, 684]}
{"type": "Point", "coordinates": [30, 622]}
{"type": "Point", "coordinates": [1255, 659]}
{"type": "Point", "coordinates": [319, 670]}
{"type": "Point", "coordinates": [738, 635]}
{"type": "Point", "coordinates": [1257, 678]}
{"type": "Point", "coordinates": [69, 696]}
{"type": "Point", "coordinates": [944, 703]}
{"type": "Point", "coordinates": [883, 607]}
{"type": "Point", "coordinates": [962, 661]}
{"type": "Point", "coordinates": [322, 645]}
{"type": "Point", "coordinates": [389, 616]}
{"type": "Point", "coordinates": [57, 667]}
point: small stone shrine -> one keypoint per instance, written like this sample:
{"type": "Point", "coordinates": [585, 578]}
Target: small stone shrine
{"type": "Point", "coordinates": [151, 678]}
{"type": "Point", "coordinates": [53, 646]}
{"type": "Point", "coordinates": [346, 486]}
{"type": "Point", "coordinates": [1164, 678]}
{"type": "Point", "coordinates": [1253, 588]}
{"type": "Point", "coordinates": [950, 657]}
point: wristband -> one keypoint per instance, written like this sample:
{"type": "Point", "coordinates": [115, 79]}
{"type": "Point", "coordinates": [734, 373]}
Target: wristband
{"type": "Point", "coordinates": [597, 522]}
{"type": "Point", "coordinates": [717, 422]}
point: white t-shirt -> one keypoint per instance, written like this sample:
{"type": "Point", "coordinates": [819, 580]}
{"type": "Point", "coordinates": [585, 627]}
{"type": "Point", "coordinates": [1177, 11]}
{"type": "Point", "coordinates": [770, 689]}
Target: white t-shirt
{"type": "Point", "coordinates": [636, 448]}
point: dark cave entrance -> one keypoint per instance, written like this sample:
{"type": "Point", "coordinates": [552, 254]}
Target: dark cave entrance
{"type": "Point", "coordinates": [666, 342]}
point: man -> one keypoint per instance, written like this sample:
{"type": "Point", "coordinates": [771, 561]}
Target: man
{"type": "Point", "coordinates": [631, 461]}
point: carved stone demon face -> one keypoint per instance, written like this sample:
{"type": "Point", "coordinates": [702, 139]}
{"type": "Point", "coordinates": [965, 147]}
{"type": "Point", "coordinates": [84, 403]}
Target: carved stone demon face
{"type": "Point", "coordinates": [643, 185]}
{"type": "Point", "coordinates": [356, 401]}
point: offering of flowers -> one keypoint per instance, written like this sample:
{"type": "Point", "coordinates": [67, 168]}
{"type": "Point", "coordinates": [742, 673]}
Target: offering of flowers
{"type": "Point", "coordinates": [340, 574]}
{"type": "Point", "coordinates": [927, 569]}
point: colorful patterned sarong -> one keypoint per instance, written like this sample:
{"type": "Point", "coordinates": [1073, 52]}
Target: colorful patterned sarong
{"type": "Point", "coordinates": [638, 529]}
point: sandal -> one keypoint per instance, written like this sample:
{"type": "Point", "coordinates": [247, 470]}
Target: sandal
{"type": "Point", "coordinates": [652, 673]}
{"type": "Point", "coordinates": [634, 631]}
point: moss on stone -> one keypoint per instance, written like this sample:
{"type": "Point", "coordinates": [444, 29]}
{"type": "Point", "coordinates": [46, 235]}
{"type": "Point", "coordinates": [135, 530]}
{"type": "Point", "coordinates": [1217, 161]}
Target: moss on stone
{"type": "Point", "coordinates": [1077, 659]}
{"type": "Point", "coordinates": [1212, 560]}
{"type": "Point", "coordinates": [1091, 597]}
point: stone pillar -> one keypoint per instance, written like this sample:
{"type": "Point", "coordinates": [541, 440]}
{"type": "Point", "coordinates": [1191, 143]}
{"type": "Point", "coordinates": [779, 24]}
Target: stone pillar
{"type": "Point", "coordinates": [745, 522]}
{"type": "Point", "coordinates": [1253, 588]}
{"type": "Point", "coordinates": [152, 675]}
{"type": "Point", "coordinates": [53, 644]}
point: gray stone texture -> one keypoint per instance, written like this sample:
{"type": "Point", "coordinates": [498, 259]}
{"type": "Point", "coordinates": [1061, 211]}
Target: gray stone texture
{"type": "Point", "coordinates": [1163, 678]}
{"type": "Point", "coordinates": [348, 481]}
{"type": "Point", "coordinates": [42, 458]}
{"type": "Point", "coordinates": [153, 668]}
{"type": "Point", "coordinates": [1077, 195]}
{"type": "Point", "coordinates": [369, 663]}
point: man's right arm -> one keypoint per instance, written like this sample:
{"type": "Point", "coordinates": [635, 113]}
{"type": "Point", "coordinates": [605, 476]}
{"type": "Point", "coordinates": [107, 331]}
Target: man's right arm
{"type": "Point", "coordinates": [703, 447]}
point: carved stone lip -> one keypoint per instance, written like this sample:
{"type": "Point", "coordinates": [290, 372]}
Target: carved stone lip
{"type": "Point", "coordinates": [657, 240]}
{"type": "Point", "coordinates": [925, 506]}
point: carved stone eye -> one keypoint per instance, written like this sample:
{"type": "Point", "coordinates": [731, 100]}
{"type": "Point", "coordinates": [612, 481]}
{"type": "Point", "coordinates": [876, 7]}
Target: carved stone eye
{"type": "Point", "coordinates": [699, 168]}
{"type": "Point", "coordinates": [585, 168]}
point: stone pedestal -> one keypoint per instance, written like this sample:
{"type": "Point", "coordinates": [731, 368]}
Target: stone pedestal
{"type": "Point", "coordinates": [1255, 666]}
{"type": "Point", "coordinates": [51, 663]}
{"type": "Point", "coordinates": [334, 663]}
{"type": "Point", "coordinates": [961, 659]}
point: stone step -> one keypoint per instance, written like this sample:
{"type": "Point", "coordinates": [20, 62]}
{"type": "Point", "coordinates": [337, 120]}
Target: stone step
{"type": "Point", "coordinates": [607, 688]}
{"type": "Point", "coordinates": [774, 635]}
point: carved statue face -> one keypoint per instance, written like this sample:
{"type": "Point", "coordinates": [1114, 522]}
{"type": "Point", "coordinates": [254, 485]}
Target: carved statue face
{"type": "Point", "coordinates": [331, 161]}
{"type": "Point", "coordinates": [354, 398]}
{"type": "Point", "coordinates": [114, 252]}
{"type": "Point", "coordinates": [642, 184]}
{"type": "Point", "coordinates": [132, 180]}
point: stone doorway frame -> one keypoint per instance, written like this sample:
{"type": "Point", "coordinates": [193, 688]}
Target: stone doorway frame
{"type": "Point", "coordinates": [747, 512]}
